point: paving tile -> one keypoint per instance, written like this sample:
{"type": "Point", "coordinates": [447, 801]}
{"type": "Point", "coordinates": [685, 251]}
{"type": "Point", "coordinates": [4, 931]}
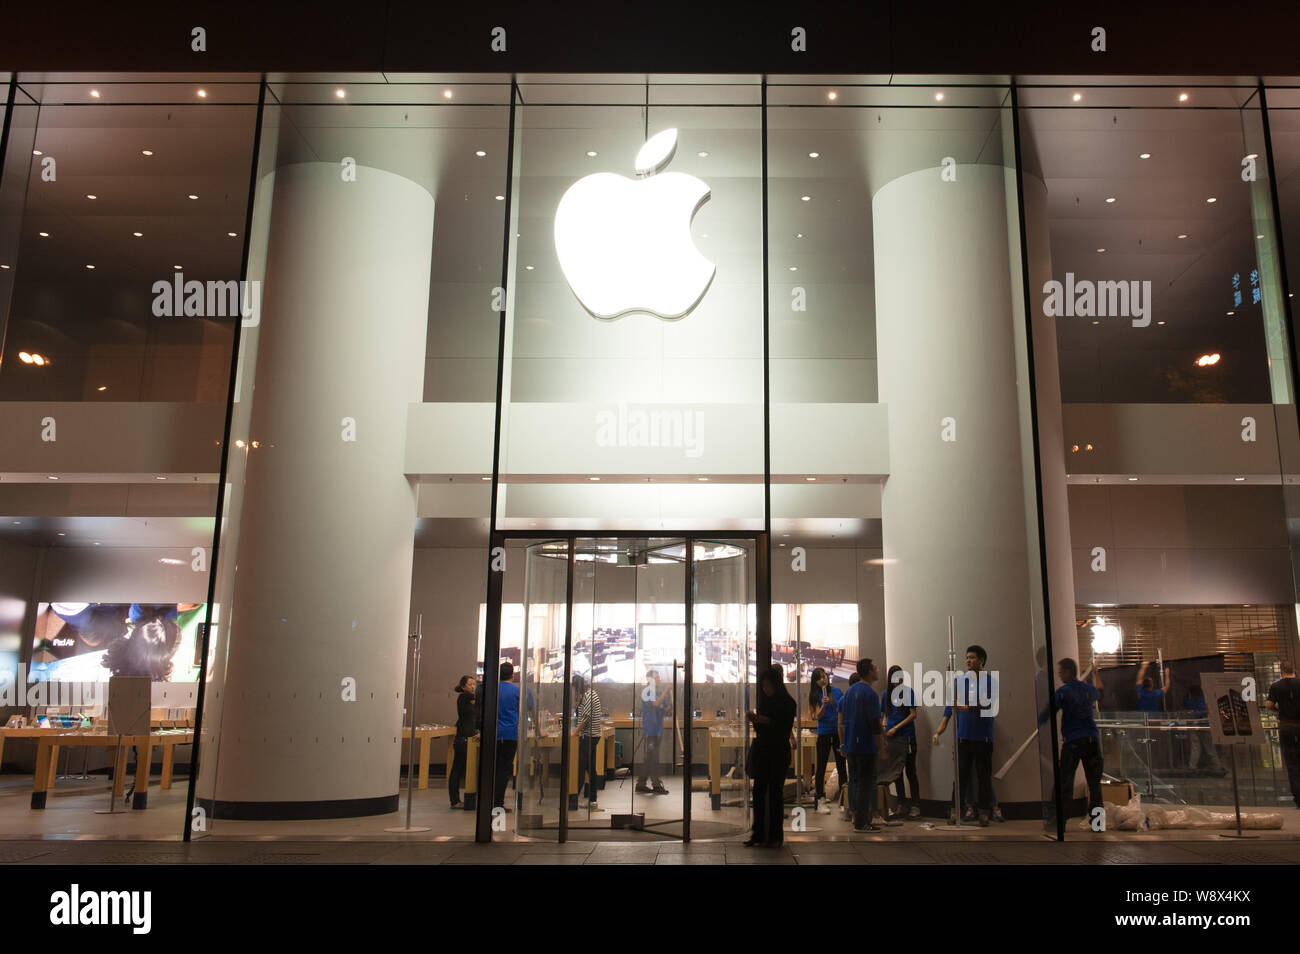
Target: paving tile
{"type": "Point", "coordinates": [691, 858]}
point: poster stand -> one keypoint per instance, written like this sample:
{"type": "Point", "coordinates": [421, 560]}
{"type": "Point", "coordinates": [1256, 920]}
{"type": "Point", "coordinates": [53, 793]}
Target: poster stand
{"type": "Point", "coordinates": [416, 638]}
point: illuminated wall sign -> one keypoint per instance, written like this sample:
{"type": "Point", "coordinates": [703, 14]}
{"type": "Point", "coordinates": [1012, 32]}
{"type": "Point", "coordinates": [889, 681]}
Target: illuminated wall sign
{"type": "Point", "coordinates": [625, 245]}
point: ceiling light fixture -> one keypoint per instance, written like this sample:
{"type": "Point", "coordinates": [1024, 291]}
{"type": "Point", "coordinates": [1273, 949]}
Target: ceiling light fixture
{"type": "Point", "coordinates": [1182, 97]}
{"type": "Point", "coordinates": [233, 234]}
{"type": "Point", "coordinates": [480, 153]}
{"type": "Point", "coordinates": [1133, 479]}
{"type": "Point", "coordinates": [500, 198]}
{"type": "Point", "coordinates": [203, 94]}
{"type": "Point", "coordinates": [340, 93]}
{"type": "Point", "coordinates": [832, 95]}
{"type": "Point", "coordinates": [938, 97]}
{"type": "Point", "coordinates": [805, 198]}
{"type": "Point", "coordinates": [794, 268]}
{"type": "Point", "coordinates": [94, 93]}
{"type": "Point", "coordinates": [1211, 199]}
{"type": "Point", "coordinates": [37, 152]}
{"type": "Point", "coordinates": [24, 357]}
{"type": "Point", "coordinates": [446, 94]}
{"type": "Point", "coordinates": [91, 267]}
{"type": "Point", "coordinates": [43, 234]}
{"type": "Point", "coordinates": [814, 155]}
{"type": "Point", "coordinates": [592, 154]}
{"type": "Point", "coordinates": [1077, 96]}
{"type": "Point", "coordinates": [138, 234]}
{"type": "Point", "coordinates": [1208, 360]}
{"type": "Point", "coordinates": [1183, 235]}
{"type": "Point", "coordinates": [1145, 155]}
{"type": "Point", "coordinates": [146, 152]}
{"type": "Point", "coordinates": [703, 154]}
{"type": "Point", "coordinates": [1101, 250]}
{"type": "Point", "coordinates": [51, 477]}
{"type": "Point", "coordinates": [102, 387]}
{"type": "Point", "coordinates": [89, 196]}
{"type": "Point", "coordinates": [1109, 199]}
{"type": "Point", "coordinates": [1239, 478]}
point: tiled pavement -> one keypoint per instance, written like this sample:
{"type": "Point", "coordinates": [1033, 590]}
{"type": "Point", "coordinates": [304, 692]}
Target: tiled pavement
{"type": "Point", "coordinates": [212, 852]}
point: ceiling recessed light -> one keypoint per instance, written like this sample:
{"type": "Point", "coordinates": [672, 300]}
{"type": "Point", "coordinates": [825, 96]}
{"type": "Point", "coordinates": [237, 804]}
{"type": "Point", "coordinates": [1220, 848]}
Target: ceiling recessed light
{"type": "Point", "coordinates": [810, 478]}
{"type": "Point", "coordinates": [702, 478]}
{"type": "Point", "coordinates": [63, 533]}
{"type": "Point", "coordinates": [529, 268]}
{"type": "Point", "coordinates": [233, 234]}
{"type": "Point", "coordinates": [592, 154]}
{"type": "Point", "coordinates": [1133, 478]}
{"type": "Point", "coordinates": [480, 153]}
{"type": "Point", "coordinates": [1182, 97]}
{"type": "Point", "coordinates": [1101, 250]}
{"type": "Point", "coordinates": [703, 154]}
{"type": "Point", "coordinates": [593, 478]}
{"type": "Point", "coordinates": [340, 93]}
{"type": "Point", "coordinates": [794, 268]}
{"type": "Point", "coordinates": [1182, 235]}
{"type": "Point", "coordinates": [1077, 96]}
{"type": "Point", "coordinates": [39, 360]}
{"type": "Point", "coordinates": [446, 94]}
{"type": "Point", "coordinates": [1159, 322]}
{"type": "Point", "coordinates": [94, 94]}
{"type": "Point", "coordinates": [138, 234]}
{"type": "Point", "coordinates": [24, 357]}
{"type": "Point", "coordinates": [203, 94]}
{"type": "Point", "coordinates": [91, 267]}
{"type": "Point", "coordinates": [499, 198]}
{"type": "Point", "coordinates": [832, 95]}
{"type": "Point", "coordinates": [97, 543]}
{"type": "Point", "coordinates": [102, 387]}
{"type": "Point", "coordinates": [193, 196]}
{"type": "Point", "coordinates": [4, 266]}
{"type": "Point", "coordinates": [1207, 360]}
{"type": "Point", "coordinates": [37, 152]}
{"type": "Point", "coordinates": [485, 478]}
{"type": "Point", "coordinates": [814, 155]}
{"type": "Point", "coordinates": [51, 477]}
{"type": "Point", "coordinates": [89, 196]}
{"type": "Point", "coordinates": [1110, 198]}
{"type": "Point", "coordinates": [704, 235]}
{"type": "Point", "coordinates": [43, 234]}
{"type": "Point", "coordinates": [1211, 199]}
{"type": "Point", "coordinates": [1259, 236]}
{"type": "Point", "coordinates": [1096, 322]}
{"type": "Point", "coordinates": [798, 235]}
{"type": "Point", "coordinates": [1145, 155]}
{"type": "Point", "coordinates": [1231, 313]}
{"type": "Point", "coordinates": [177, 267]}
{"type": "Point", "coordinates": [805, 198]}
{"type": "Point", "coordinates": [157, 477]}
{"type": "Point", "coordinates": [146, 152]}
{"type": "Point", "coordinates": [1239, 478]}
{"type": "Point", "coordinates": [938, 97]}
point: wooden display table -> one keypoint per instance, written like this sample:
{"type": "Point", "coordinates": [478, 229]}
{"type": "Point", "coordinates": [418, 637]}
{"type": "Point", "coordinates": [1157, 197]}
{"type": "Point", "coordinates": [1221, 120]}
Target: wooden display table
{"type": "Point", "coordinates": [730, 736]}
{"type": "Point", "coordinates": [547, 741]}
{"type": "Point", "coordinates": [49, 744]}
{"type": "Point", "coordinates": [426, 734]}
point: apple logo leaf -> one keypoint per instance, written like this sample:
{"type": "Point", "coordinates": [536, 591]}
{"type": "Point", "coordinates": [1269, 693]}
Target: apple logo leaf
{"type": "Point", "coordinates": [657, 152]}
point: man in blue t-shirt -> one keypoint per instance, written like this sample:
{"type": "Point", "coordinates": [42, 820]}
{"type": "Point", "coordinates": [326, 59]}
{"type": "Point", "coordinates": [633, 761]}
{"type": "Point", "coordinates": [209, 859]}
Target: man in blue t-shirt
{"type": "Point", "coordinates": [1081, 741]}
{"type": "Point", "coordinates": [974, 695]}
{"type": "Point", "coordinates": [824, 702]}
{"type": "Point", "coordinates": [859, 723]}
{"type": "Point", "coordinates": [1151, 697]}
{"type": "Point", "coordinates": [655, 703]}
{"type": "Point", "coordinates": [507, 732]}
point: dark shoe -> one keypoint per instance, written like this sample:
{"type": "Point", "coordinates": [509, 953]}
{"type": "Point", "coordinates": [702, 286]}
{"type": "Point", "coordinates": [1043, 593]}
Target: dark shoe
{"type": "Point", "coordinates": [984, 820]}
{"type": "Point", "coordinates": [752, 843]}
{"type": "Point", "coordinates": [457, 804]}
{"type": "Point", "coordinates": [969, 816]}
{"type": "Point", "coordinates": [660, 790]}
{"type": "Point", "coordinates": [997, 814]}
{"type": "Point", "coordinates": [643, 789]}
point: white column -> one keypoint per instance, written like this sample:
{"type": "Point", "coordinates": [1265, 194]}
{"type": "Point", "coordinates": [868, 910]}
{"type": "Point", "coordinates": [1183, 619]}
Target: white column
{"type": "Point", "coordinates": [322, 584]}
{"type": "Point", "coordinates": [955, 535]}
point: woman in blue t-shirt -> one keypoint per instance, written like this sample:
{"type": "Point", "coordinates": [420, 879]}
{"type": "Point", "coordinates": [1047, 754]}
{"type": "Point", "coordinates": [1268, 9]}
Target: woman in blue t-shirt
{"type": "Point", "coordinates": [900, 732]}
{"type": "Point", "coordinates": [824, 703]}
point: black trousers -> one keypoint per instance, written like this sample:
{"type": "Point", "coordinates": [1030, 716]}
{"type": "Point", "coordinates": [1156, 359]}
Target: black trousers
{"type": "Point", "coordinates": [977, 757]}
{"type": "Point", "coordinates": [769, 797]}
{"type": "Point", "coordinates": [591, 777]}
{"type": "Point", "coordinates": [1290, 742]}
{"type": "Point", "coordinates": [909, 772]}
{"type": "Point", "coordinates": [506, 749]}
{"type": "Point", "coordinates": [826, 744]}
{"type": "Point", "coordinates": [650, 767]}
{"type": "Point", "coordinates": [1087, 751]}
{"type": "Point", "coordinates": [456, 776]}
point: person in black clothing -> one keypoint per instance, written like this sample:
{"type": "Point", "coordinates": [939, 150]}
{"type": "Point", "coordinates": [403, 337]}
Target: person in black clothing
{"type": "Point", "coordinates": [769, 756]}
{"type": "Point", "coordinates": [1284, 699]}
{"type": "Point", "coordinates": [469, 717]}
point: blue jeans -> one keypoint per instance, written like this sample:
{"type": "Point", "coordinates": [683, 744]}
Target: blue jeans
{"type": "Point", "coordinates": [862, 787]}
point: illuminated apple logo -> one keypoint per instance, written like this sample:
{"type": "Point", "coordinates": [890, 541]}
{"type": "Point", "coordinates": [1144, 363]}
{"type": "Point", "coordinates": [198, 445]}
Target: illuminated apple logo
{"type": "Point", "coordinates": [625, 244]}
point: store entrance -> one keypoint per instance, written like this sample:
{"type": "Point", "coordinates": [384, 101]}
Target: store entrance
{"type": "Point", "coordinates": [633, 669]}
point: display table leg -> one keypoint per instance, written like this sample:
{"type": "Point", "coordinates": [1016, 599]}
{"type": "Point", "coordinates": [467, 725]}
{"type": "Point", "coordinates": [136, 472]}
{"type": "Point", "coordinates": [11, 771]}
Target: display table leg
{"type": "Point", "coordinates": [426, 743]}
{"type": "Point", "coordinates": [715, 774]}
{"type": "Point", "coordinates": [41, 778]}
{"type": "Point", "coordinates": [119, 772]}
{"type": "Point", "coordinates": [143, 758]}
{"type": "Point", "coordinates": [168, 763]}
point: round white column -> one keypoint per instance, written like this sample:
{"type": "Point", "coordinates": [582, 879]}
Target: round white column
{"type": "Point", "coordinates": [955, 517]}
{"type": "Point", "coordinates": [323, 577]}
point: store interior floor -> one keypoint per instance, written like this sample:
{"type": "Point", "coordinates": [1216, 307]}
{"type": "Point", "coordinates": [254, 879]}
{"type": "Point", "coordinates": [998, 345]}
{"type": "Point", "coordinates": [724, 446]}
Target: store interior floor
{"type": "Point", "coordinates": [71, 814]}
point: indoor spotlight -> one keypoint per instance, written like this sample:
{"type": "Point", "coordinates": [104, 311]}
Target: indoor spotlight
{"type": "Point", "coordinates": [146, 152]}
{"type": "Point", "coordinates": [1077, 96]}
{"type": "Point", "coordinates": [1145, 155]}
{"type": "Point", "coordinates": [813, 155]}
{"type": "Point", "coordinates": [1211, 199]}
{"type": "Point", "coordinates": [1110, 199]}
{"type": "Point", "coordinates": [938, 97]}
{"type": "Point", "coordinates": [340, 93]}
{"type": "Point", "coordinates": [480, 153]}
{"type": "Point", "coordinates": [89, 196]}
{"type": "Point", "coordinates": [832, 95]}
{"type": "Point", "coordinates": [1182, 97]}
{"type": "Point", "coordinates": [446, 94]}
{"type": "Point", "coordinates": [138, 234]}
{"type": "Point", "coordinates": [1208, 360]}
{"type": "Point", "coordinates": [703, 154]}
{"type": "Point", "coordinates": [193, 196]}
{"type": "Point", "coordinates": [43, 234]}
{"type": "Point", "coordinates": [94, 93]}
{"type": "Point", "coordinates": [805, 198]}
{"type": "Point", "coordinates": [24, 357]}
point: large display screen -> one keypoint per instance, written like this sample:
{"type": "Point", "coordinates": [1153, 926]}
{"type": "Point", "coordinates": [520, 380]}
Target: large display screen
{"type": "Point", "coordinates": [89, 642]}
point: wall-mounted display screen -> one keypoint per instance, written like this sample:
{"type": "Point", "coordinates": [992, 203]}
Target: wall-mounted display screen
{"type": "Point", "coordinates": [89, 642]}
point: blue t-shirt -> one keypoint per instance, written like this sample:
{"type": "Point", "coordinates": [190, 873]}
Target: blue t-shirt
{"type": "Point", "coordinates": [829, 723]}
{"type": "Point", "coordinates": [974, 725]}
{"type": "Point", "coordinates": [861, 709]}
{"type": "Point", "coordinates": [508, 712]}
{"type": "Point", "coordinates": [1195, 703]}
{"type": "Point", "coordinates": [1075, 699]}
{"type": "Point", "coordinates": [1149, 700]}
{"type": "Point", "coordinates": [652, 718]}
{"type": "Point", "coordinates": [895, 714]}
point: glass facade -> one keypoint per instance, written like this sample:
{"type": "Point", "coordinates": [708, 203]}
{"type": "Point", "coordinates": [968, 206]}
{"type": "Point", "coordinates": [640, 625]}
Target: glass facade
{"type": "Point", "coordinates": [452, 453]}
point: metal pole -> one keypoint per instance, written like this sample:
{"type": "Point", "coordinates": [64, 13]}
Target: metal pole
{"type": "Point", "coordinates": [416, 638]}
{"type": "Point", "coordinates": [1236, 799]}
{"type": "Point", "coordinates": [798, 713]}
{"type": "Point", "coordinates": [956, 761]}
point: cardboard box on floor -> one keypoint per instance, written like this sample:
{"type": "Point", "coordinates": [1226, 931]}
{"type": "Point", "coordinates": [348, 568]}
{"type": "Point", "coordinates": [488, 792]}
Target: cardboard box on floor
{"type": "Point", "coordinates": [1116, 792]}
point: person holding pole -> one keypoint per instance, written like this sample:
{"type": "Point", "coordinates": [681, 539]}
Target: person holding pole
{"type": "Point", "coordinates": [1079, 734]}
{"type": "Point", "coordinates": [974, 730]}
